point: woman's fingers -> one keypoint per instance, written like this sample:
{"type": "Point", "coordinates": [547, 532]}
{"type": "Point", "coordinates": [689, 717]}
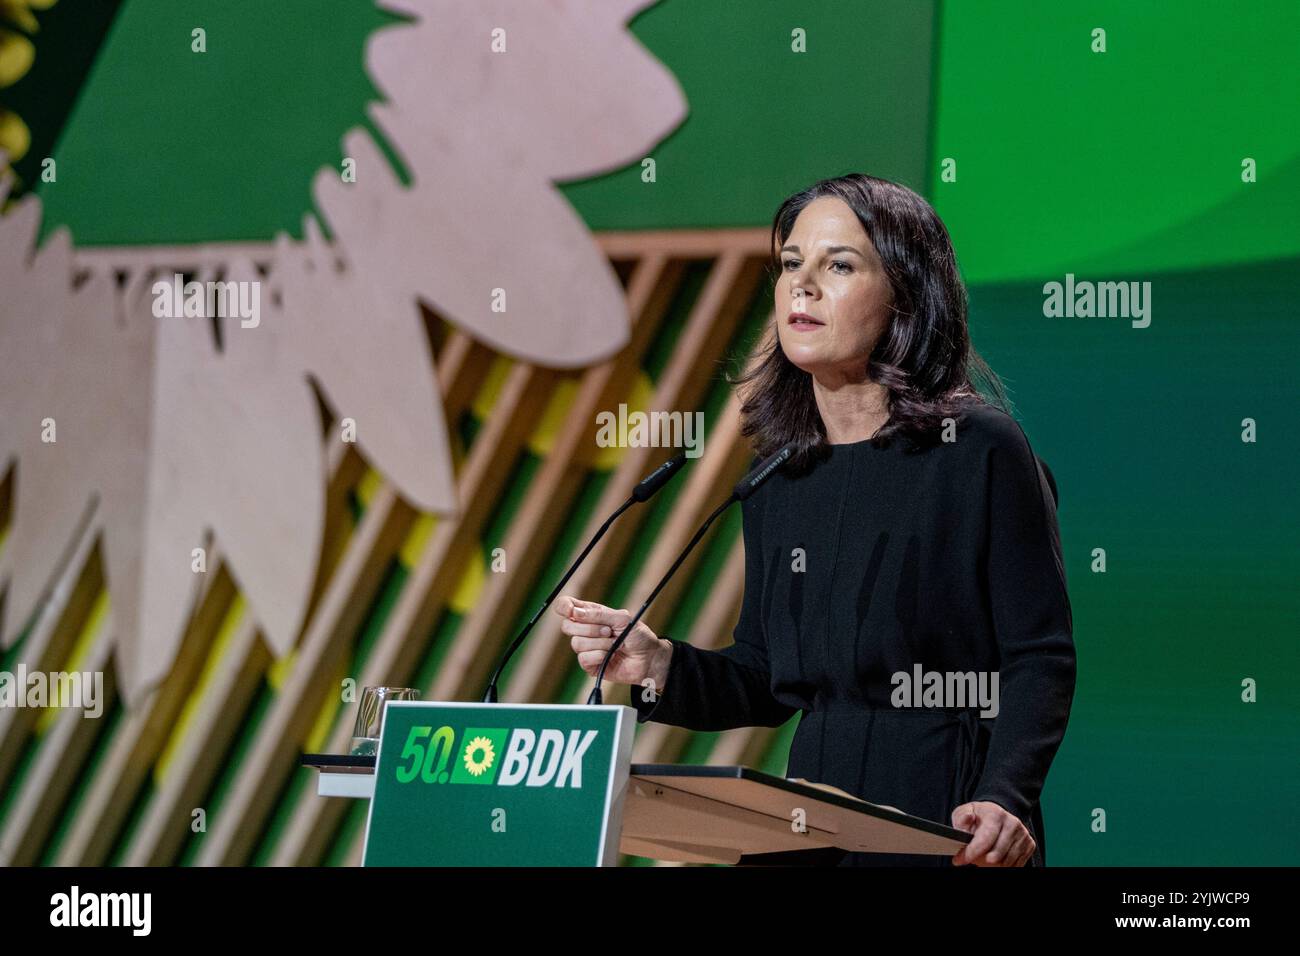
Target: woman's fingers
{"type": "Point", "coordinates": [589, 661]}
{"type": "Point", "coordinates": [588, 612]}
{"type": "Point", "coordinates": [566, 604]}
{"type": "Point", "coordinates": [1002, 849]}
{"type": "Point", "coordinates": [574, 629]}
{"type": "Point", "coordinates": [1025, 850]}
{"type": "Point", "coordinates": [582, 644]}
{"type": "Point", "coordinates": [599, 614]}
{"type": "Point", "coordinates": [986, 834]}
{"type": "Point", "coordinates": [591, 628]}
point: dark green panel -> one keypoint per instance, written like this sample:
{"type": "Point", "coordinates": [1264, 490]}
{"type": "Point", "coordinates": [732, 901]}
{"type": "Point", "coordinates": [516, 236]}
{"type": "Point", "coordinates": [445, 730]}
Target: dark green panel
{"type": "Point", "coordinates": [170, 145]}
{"type": "Point", "coordinates": [66, 41]}
{"type": "Point", "coordinates": [1142, 431]}
{"type": "Point", "coordinates": [766, 120]}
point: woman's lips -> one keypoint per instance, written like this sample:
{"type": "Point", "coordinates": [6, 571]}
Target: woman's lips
{"type": "Point", "coordinates": [802, 322]}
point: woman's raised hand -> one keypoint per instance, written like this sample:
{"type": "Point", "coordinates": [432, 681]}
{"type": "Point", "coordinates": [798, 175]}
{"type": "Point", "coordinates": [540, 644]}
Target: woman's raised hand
{"type": "Point", "coordinates": [592, 629]}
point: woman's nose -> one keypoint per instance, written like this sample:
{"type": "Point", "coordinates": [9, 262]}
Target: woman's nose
{"type": "Point", "coordinates": [802, 288]}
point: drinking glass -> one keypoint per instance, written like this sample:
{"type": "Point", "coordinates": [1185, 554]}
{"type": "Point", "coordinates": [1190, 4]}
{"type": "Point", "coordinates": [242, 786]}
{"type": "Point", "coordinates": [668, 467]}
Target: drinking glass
{"type": "Point", "coordinates": [370, 717]}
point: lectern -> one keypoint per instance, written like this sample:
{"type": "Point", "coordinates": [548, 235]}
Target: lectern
{"type": "Point", "coordinates": [526, 767]}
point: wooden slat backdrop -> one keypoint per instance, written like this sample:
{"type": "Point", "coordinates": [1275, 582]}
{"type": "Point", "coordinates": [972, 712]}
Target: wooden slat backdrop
{"type": "Point", "coordinates": [132, 810]}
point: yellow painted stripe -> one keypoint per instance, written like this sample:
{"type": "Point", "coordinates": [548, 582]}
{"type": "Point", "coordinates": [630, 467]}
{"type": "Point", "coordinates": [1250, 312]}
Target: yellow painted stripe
{"type": "Point", "coordinates": [490, 391]}
{"type": "Point", "coordinates": [471, 584]}
{"type": "Point", "coordinates": [280, 669]}
{"type": "Point", "coordinates": [368, 486]}
{"type": "Point", "coordinates": [416, 539]}
{"type": "Point", "coordinates": [557, 409]}
{"type": "Point", "coordinates": [225, 635]}
{"type": "Point", "coordinates": [90, 632]}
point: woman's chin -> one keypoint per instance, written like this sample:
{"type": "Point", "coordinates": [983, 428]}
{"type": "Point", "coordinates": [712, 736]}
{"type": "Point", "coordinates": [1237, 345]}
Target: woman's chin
{"type": "Point", "coordinates": [805, 359]}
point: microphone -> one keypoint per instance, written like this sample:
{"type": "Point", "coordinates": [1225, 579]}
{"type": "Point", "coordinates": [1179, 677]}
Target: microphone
{"type": "Point", "coordinates": [744, 488]}
{"type": "Point", "coordinates": [643, 492]}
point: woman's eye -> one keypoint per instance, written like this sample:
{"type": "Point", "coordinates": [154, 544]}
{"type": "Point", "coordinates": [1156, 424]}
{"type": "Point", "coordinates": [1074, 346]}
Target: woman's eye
{"type": "Point", "coordinates": [790, 263]}
{"type": "Point", "coordinates": [840, 262]}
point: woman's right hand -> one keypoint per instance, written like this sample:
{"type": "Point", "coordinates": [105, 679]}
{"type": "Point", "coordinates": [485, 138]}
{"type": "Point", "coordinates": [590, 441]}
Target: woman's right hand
{"type": "Point", "coordinates": [592, 629]}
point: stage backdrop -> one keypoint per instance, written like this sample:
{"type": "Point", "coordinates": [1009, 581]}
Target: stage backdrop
{"type": "Point", "coordinates": [612, 167]}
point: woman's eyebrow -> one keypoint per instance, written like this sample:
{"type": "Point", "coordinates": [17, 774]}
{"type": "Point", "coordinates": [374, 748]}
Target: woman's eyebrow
{"type": "Point", "coordinates": [830, 251]}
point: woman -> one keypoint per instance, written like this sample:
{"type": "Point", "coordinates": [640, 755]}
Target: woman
{"type": "Point", "coordinates": [913, 532]}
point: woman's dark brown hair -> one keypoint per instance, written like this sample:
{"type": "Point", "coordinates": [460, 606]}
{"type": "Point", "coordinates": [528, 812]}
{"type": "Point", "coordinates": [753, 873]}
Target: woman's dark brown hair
{"type": "Point", "coordinates": [924, 356]}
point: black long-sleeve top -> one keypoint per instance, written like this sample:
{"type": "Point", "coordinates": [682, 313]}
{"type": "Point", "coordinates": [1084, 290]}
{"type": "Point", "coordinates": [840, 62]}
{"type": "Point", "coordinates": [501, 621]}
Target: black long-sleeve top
{"type": "Point", "coordinates": [876, 560]}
